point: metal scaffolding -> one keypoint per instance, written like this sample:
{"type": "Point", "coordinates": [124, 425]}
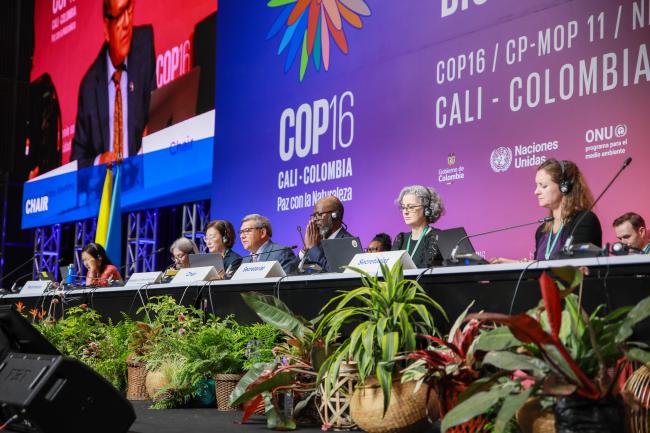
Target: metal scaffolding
{"type": "Point", "coordinates": [195, 217]}
{"type": "Point", "coordinates": [47, 245]}
{"type": "Point", "coordinates": [141, 242]}
{"type": "Point", "coordinates": [84, 233]}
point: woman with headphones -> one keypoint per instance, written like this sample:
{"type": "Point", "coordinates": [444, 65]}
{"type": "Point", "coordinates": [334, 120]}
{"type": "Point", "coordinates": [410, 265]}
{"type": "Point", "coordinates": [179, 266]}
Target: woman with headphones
{"type": "Point", "coordinates": [99, 266]}
{"type": "Point", "coordinates": [561, 188]}
{"type": "Point", "coordinates": [220, 237]}
{"type": "Point", "coordinates": [420, 206]}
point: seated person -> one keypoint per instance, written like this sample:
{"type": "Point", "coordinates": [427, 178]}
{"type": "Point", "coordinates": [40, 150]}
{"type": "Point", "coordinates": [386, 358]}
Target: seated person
{"type": "Point", "coordinates": [181, 250]}
{"type": "Point", "coordinates": [325, 223]}
{"type": "Point", "coordinates": [220, 238]}
{"type": "Point", "coordinates": [563, 190]}
{"type": "Point", "coordinates": [381, 242]}
{"type": "Point", "coordinates": [255, 235]}
{"type": "Point", "coordinates": [631, 230]}
{"type": "Point", "coordinates": [99, 266]}
{"type": "Point", "coordinates": [420, 206]}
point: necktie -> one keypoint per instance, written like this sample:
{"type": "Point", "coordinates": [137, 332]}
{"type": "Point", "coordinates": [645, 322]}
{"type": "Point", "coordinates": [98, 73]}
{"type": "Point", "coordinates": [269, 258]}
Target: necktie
{"type": "Point", "coordinates": [118, 132]}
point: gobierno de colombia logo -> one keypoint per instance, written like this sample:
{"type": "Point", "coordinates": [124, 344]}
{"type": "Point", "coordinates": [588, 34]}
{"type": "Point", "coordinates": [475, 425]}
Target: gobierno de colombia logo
{"type": "Point", "coordinates": [308, 25]}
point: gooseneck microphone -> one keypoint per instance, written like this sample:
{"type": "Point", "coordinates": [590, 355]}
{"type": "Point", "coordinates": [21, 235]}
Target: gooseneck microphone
{"type": "Point", "coordinates": [292, 247]}
{"type": "Point", "coordinates": [454, 252]}
{"type": "Point", "coordinates": [568, 244]}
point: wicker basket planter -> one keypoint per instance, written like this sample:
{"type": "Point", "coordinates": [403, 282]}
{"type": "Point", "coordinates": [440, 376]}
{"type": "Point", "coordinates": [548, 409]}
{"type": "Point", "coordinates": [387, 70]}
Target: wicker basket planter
{"type": "Point", "coordinates": [532, 418]}
{"type": "Point", "coordinates": [335, 410]}
{"type": "Point", "coordinates": [154, 382]}
{"type": "Point", "coordinates": [407, 411]}
{"type": "Point", "coordinates": [637, 386]}
{"type": "Point", "coordinates": [136, 381]}
{"type": "Point", "coordinates": [225, 385]}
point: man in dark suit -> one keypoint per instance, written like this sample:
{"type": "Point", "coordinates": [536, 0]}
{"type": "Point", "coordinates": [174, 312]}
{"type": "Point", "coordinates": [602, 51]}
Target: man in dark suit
{"type": "Point", "coordinates": [325, 223]}
{"type": "Point", "coordinates": [114, 94]}
{"type": "Point", "coordinates": [255, 234]}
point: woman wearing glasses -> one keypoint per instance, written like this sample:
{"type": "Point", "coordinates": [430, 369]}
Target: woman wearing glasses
{"type": "Point", "coordinates": [220, 238]}
{"type": "Point", "coordinates": [181, 250]}
{"type": "Point", "coordinates": [420, 206]}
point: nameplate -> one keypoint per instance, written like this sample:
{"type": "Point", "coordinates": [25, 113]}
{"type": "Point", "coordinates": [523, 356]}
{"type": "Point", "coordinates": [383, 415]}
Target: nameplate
{"type": "Point", "coordinates": [193, 275]}
{"type": "Point", "coordinates": [139, 279]}
{"type": "Point", "coordinates": [35, 288]}
{"type": "Point", "coordinates": [370, 262]}
{"type": "Point", "coordinates": [259, 270]}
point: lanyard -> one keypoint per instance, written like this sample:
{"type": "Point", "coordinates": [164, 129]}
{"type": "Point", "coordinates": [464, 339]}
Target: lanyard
{"type": "Point", "coordinates": [646, 250]}
{"type": "Point", "coordinates": [408, 242]}
{"type": "Point", "coordinates": [550, 246]}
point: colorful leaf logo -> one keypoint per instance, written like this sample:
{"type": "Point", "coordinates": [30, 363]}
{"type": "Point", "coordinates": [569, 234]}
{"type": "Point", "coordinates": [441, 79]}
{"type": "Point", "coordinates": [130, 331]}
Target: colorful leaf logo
{"type": "Point", "coordinates": [308, 25]}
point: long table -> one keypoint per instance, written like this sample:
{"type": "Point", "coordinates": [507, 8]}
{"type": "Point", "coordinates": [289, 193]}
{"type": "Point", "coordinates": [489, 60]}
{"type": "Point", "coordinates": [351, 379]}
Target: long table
{"type": "Point", "coordinates": [613, 281]}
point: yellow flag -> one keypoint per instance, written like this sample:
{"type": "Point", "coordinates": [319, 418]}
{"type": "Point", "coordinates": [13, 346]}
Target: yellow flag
{"type": "Point", "coordinates": [104, 209]}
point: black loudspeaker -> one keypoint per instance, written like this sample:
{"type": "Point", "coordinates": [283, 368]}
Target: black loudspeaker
{"type": "Point", "coordinates": [56, 394]}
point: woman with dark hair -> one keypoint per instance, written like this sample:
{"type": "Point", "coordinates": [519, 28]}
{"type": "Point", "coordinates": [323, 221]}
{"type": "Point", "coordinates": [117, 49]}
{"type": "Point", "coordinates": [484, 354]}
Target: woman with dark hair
{"type": "Point", "coordinates": [561, 188]}
{"type": "Point", "coordinates": [220, 238]}
{"type": "Point", "coordinates": [420, 206]}
{"type": "Point", "coordinates": [99, 266]}
{"type": "Point", "coordinates": [381, 242]}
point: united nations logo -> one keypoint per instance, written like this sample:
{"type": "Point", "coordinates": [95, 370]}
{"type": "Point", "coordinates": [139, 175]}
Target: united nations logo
{"type": "Point", "coordinates": [500, 159]}
{"type": "Point", "coordinates": [354, 243]}
{"type": "Point", "coordinates": [620, 131]}
{"type": "Point", "coordinates": [451, 159]}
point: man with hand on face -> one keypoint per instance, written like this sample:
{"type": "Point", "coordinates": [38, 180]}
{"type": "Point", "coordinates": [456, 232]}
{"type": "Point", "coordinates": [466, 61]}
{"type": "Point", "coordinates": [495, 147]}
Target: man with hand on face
{"type": "Point", "coordinates": [114, 95]}
{"type": "Point", "coordinates": [631, 230]}
{"type": "Point", "coordinates": [325, 223]}
{"type": "Point", "coordinates": [255, 235]}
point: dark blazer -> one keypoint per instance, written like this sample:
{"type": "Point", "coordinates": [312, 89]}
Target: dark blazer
{"type": "Point", "coordinates": [588, 231]}
{"type": "Point", "coordinates": [231, 261]}
{"type": "Point", "coordinates": [92, 129]}
{"type": "Point", "coordinates": [282, 254]}
{"type": "Point", "coordinates": [317, 255]}
{"type": "Point", "coordinates": [427, 254]}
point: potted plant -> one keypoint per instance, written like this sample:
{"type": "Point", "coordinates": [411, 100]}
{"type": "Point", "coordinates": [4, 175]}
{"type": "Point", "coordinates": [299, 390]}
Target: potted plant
{"type": "Point", "coordinates": [387, 314]}
{"type": "Point", "coordinates": [449, 366]}
{"type": "Point", "coordinates": [557, 350]}
{"type": "Point", "coordinates": [287, 384]}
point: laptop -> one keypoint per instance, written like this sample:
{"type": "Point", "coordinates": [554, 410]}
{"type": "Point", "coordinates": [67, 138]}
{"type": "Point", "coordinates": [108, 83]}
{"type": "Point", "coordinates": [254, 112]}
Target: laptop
{"type": "Point", "coordinates": [174, 102]}
{"type": "Point", "coordinates": [340, 251]}
{"type": "Point", "coordinates": [209, 259]}
{"type": "Point", "coordinates": [465, 254]}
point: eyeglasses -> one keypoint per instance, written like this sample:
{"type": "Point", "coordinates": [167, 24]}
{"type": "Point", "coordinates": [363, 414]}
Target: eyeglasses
{"type": "Point", "coordinates": [126, 11]}
{"type": "Point", "coordinates": [409, 208]}
{"type": "Point", "coordinates": [248, 230]}
{"type": "Point", "coordinates": [179, 257]}
{"type": "Point", "coordinates": [320, 215]}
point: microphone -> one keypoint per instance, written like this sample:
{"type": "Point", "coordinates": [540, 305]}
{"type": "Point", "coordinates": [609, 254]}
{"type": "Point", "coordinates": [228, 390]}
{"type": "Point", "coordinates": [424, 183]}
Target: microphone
{"type": "Point", "coordinates": [13, 287]}
{"type": "Point", "coordinates": [568, 244]}
{"type": "Point", "coordinates": [454, 252]}
{"type": "Point", "coordinates": [23, 264]}
{"type": "Point", "coordinates": [292, 247]}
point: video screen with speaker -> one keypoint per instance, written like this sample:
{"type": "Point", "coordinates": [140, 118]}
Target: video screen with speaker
{"type": "Point", "coordinates": [135, 83]}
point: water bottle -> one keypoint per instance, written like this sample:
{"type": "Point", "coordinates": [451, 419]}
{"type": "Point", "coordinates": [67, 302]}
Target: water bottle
{"type": "Point", "coordinates": [69, 279]}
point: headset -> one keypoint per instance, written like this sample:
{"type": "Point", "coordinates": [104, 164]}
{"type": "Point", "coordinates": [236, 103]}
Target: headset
{"type": "Point", "coordinates": [565, 184]}
{"type": "Point", "coordinates": [428, 212]}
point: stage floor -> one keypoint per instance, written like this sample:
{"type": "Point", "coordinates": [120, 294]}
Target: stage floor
{"type": "Point", "coordinates": [202, 421]}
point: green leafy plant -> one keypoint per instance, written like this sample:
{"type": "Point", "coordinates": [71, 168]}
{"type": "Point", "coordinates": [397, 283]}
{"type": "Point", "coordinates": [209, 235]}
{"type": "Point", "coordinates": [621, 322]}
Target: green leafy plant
{"type": "Point", "coordinates": [555, 350]}
{"type": "Point", "coordinates": [388, 314]}
{"type": "Point", "coordinates": [297, 358]}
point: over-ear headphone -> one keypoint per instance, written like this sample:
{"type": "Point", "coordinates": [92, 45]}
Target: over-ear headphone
{"type": "Point", "coordinates": [565, 183]}
{"type": "Point", "coordinates": [428, 212]}
{"type": "Point", "coordinates": [334, 215]}
{"type": "Point", "coordinates": [224, 238]}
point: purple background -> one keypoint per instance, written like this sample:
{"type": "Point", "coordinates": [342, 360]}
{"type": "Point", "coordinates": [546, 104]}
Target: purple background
{"type": "Point", "coordinates": [391, 70]}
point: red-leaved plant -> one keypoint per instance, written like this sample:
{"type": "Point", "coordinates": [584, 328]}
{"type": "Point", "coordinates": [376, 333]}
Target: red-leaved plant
{"type": "Point", "coordinates": [562, 350]}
